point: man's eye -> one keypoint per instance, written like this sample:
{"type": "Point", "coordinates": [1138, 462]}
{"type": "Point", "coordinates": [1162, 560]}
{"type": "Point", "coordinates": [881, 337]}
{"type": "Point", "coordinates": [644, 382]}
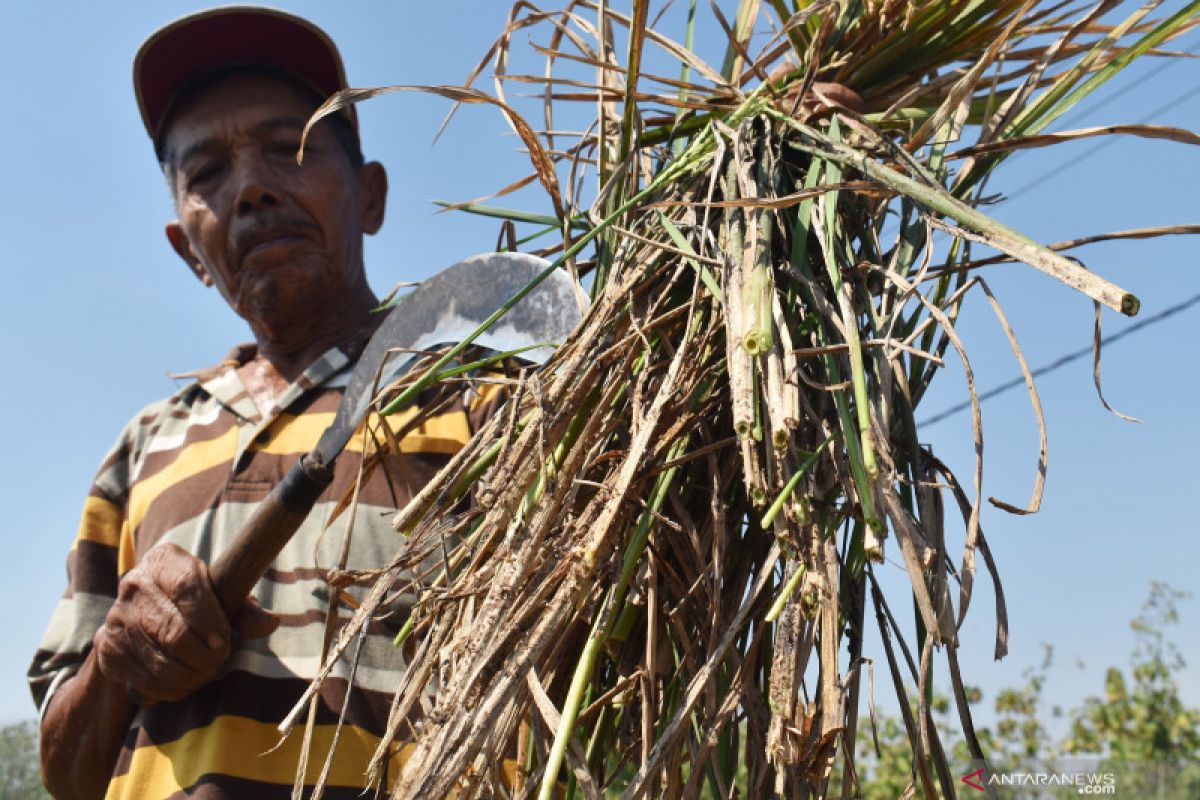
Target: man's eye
{"type": "Point", "coordinates": [202, 175]}
{"type": "Point", "coordinates": [288, 148]}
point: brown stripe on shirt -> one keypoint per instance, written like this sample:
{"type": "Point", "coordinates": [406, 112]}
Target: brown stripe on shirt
{"type": "Point", "coordinates": [266, 700]}
{"type": "Point", "coordinates": [171, 476]}
{"type": "Point", "coordinates": [92, 568]}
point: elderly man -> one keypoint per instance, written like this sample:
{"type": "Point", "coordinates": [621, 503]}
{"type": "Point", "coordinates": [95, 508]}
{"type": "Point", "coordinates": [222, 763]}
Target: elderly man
{"type": "Point", "coordinates": [224, 96]}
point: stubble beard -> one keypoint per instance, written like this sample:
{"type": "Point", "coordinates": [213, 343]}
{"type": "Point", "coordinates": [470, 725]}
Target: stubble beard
{"type": "Point", "coordinates": [280, 308]}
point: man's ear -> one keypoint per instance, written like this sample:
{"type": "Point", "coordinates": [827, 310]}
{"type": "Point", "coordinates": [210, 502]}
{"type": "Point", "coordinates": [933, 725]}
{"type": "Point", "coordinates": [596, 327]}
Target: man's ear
{"type": "Point", "coordinates": [183, 247]}
{"type": "Point", "coordinates": [374, 182]}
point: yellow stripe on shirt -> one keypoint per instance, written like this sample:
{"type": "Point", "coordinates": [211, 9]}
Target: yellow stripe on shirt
{"type": "Point", "coordinates": [126, 552]}
{"type": "Point", "coordinates": [243, 748]}
{"type": "Point", "coordinates": [443, 434]}
{"type": "Point", "coordinates": [190, 460]}
{"type": "Point", "coordinates": [292, 435]}
{"type": "Point", "coordinates": [101, 522]}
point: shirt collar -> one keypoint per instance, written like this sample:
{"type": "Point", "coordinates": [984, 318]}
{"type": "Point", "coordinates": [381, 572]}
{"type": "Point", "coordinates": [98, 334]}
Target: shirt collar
{"type": "Point", "coordinates": [222, 382]}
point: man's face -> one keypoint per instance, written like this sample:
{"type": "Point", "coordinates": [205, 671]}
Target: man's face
{"type": "Point", "coordinates": [281, 242]}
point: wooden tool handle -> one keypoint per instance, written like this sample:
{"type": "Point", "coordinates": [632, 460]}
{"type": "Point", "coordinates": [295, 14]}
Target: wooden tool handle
{"type": "Point", "coordinates": [239, 567]}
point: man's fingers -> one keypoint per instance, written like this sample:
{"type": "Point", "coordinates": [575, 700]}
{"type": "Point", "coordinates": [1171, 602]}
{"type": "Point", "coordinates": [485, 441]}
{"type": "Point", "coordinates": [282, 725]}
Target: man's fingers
{"type": "Point", "coordinates": [119, 660]}
{"type": "Point", "coordinates": [178, 613]}
{"type": "Point", "coordinates": [166, 635]}
{"type": "Point", "coordinates": [157, 675]}
{"type": "Point", "coordinates": [170, 634]}
{"type": "Point", "coordinates": [183, 579]}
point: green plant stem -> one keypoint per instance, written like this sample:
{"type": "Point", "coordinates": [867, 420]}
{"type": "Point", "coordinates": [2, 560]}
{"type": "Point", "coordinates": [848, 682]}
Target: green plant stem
{"type": "Point", "coordinates": [587, 661]}
{"type": "Point", "coordinates": [799, 260]}
{"type": "Point", "coordinates": [801, 471]}
{"type": "Point", "coordinates": [484, 461]}
{"type": "Point", "coordinates": [709, 280]}
{"type": "Point", "coordinates": [551, 222]}
{"type": "Point", "coordinates": [685, 69]}
{"type": "Point", "coordinates": [637, 33]}
{"type": "Point", "coordinates": [405, 631]}
{"type": "Point", "coordinates": [641, 534]}
{"type": "Point", "coordinates": [939, 200]}
{"type": "Point", "coordinates": [858, 375]}
{"type": "Point", "coordinates": [570, 712]}
{"type": "Point", "coordinates": [788, 589]}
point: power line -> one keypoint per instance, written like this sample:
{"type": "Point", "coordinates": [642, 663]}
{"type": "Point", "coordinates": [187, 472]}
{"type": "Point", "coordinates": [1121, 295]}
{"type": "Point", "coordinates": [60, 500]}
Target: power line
{"type": "Point", "coordinates": [1064, 360]}
{"type": "Point", "coordinates": [1108, 99]}
{"type": "Point", "coordinates": [1107, 140]}
{"type": "Point", "coordinates": [1100, 145]}
{"type": "Point", "coordinates": [1091, 151]}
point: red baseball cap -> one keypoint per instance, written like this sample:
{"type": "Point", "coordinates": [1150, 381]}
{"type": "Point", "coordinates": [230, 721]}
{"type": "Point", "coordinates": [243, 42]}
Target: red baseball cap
{"type": "Point", "coordinates": [231, 36]}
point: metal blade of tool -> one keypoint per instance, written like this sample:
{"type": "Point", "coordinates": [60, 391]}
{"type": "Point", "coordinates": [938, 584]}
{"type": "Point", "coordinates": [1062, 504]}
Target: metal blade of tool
{"type": "Point", "coordinates": [447, 308]}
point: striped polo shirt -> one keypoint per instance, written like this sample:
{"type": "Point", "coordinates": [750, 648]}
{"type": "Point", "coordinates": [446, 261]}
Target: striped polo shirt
{"type": "Point", "coordinates": [190, 470]}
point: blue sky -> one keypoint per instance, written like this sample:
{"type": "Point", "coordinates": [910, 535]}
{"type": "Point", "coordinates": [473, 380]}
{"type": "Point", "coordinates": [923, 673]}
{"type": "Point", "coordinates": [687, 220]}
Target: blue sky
{"type": "Point", "coordinates": [97, 309]}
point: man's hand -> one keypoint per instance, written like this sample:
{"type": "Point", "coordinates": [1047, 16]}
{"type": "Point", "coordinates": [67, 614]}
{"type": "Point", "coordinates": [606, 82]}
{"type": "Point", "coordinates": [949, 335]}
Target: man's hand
{"type": "Point", "coordinates": [166, 635]}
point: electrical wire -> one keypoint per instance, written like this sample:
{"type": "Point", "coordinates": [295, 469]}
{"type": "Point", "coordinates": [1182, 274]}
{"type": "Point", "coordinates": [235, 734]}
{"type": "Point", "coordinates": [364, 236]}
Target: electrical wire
{"type": "Point", "coordinates": [1062, 361]}
{"type": "Point", "coordinates": [1108, 140]}
{"type": "Point", "coordinates": [1091, 151]}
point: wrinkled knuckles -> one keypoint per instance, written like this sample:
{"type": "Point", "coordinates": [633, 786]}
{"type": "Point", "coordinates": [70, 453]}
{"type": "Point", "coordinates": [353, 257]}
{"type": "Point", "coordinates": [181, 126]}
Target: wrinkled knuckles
{"type": "Point", "coordinates": [112, 651]}
{"type": "Point", "coordinates": [130, 588]}
{"type": "Point", "coordinates": [147, 653]}
{"type": "Point", "coordinates": [169, 631]}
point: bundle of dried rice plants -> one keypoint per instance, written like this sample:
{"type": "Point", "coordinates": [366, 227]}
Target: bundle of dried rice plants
{"type": "Point", "coordinates": [664, 578]}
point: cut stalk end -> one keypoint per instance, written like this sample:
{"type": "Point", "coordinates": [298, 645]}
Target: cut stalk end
{"type": "Point", "coordinates": [873, 539]}
{"type": "Point", "coordinates": [758, 496]}
{"type": "Point", "coordinates": [757, 342]}
{"type": "Point", "coordinates": [809, 605]}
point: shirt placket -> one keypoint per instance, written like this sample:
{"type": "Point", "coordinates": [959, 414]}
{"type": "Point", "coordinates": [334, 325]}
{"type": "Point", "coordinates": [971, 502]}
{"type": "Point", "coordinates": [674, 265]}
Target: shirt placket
{"type": "Point", "coordinates": [227, 388]}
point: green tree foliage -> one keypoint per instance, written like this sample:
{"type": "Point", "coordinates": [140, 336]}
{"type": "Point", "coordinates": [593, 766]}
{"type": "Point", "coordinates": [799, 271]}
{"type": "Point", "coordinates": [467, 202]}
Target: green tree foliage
{"type": "Point", "coordinates": [1019, 736]}
{"type": "Point", "coordinates": [1141, 727]}
{"type": "Point", "coordinates": [20, 777]}
{"type": "Point", "coordinates": [1140, 730]}
{"type": "Point", "coordinates": [888, 773]}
